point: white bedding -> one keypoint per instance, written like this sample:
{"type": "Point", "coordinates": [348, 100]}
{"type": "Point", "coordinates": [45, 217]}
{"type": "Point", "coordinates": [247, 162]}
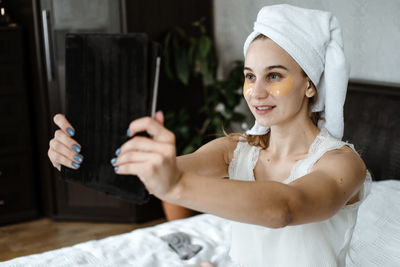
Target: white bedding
{"type": "Point", "coordinates": [376, 240]}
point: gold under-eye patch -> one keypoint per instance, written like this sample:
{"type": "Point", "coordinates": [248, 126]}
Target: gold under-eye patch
{"type": "Point", "coordinates": [276, 89]}
{"type": "Point", "coordinates": [247, 88]}
{"type": "Point", "coordinates": [281, 88]}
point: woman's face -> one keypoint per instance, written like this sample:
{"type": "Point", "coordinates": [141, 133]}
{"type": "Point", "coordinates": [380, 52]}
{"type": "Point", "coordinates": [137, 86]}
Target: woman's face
{"type": "Point", "coordinates": [273, 79]}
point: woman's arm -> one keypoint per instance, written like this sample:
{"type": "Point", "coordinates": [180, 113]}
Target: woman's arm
{"type": "Point", "coordinates": [211, 160]}
{"type": "Point", "coordinates": [334, 179]}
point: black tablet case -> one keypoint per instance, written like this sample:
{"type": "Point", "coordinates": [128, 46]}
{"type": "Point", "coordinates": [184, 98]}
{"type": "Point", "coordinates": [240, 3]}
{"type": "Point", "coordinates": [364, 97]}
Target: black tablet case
{"type": "Point", "coordinates": [109, 83]}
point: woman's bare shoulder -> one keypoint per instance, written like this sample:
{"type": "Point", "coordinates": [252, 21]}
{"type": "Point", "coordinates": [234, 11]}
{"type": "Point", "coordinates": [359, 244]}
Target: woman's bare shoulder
{"type": "Point", "coordinates": [343, 158]}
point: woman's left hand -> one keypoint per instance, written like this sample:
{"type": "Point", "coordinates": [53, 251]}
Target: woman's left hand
{"type": "Point", "coordinates": [153, 159]}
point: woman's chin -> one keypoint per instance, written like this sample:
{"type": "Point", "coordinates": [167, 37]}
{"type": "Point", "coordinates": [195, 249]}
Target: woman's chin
{"type": "Point", "coordinates": [263, 122]}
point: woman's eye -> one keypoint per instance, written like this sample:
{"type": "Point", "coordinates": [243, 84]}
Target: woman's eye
{"type": "Point", "coordinates": [250, 77]}
{"type": "Point", "coordinates": [274, 76]}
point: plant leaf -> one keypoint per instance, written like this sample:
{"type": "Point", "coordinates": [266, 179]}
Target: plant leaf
{"type": "Point", "coordinates": [204, 45]}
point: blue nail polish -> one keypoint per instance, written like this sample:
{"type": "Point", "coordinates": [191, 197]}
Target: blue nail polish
{"type": "Point", "coordinates": [70, 131]}
{"type": "Point", "coordinates": [113, 160]}
{"type": "Point", "coordinates": [78, 158]}
{"type": "Point", "coordinates": [128, 133]}
{"type": "Point", "coordinates": [116, 168]}
{"type": "Point", "coordinates": [76, 165]}
{"type": "Point", "coordinates": [118, 151]}
{"type": "Point", "coordinates": [76, 148]}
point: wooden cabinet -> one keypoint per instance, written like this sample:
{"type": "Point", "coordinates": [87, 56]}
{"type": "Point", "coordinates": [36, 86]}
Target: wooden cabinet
{"type": "Point", "coordinates": [18, 194]}
{"type": "Point", "coordinates": [72, 201]}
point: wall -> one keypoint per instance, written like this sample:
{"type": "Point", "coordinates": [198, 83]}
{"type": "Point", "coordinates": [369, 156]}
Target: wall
{"type": "Point", "coordinates": [371, 32]}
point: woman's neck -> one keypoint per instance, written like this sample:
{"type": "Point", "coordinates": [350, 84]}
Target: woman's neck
{"type": "Point", "coordinates": [293, 137]}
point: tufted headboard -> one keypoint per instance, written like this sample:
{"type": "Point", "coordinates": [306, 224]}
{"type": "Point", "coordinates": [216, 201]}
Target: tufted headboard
{"type": "Point", "coordinates": [372, 124]}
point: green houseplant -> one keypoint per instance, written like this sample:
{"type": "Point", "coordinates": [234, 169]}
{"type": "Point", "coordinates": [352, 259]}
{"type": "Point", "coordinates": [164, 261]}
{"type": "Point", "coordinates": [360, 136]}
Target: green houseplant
{"type": "Point", "coordinates": [191, 59]}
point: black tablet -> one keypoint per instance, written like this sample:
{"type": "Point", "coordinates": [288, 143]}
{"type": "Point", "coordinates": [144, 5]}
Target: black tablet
{"type": "Point", "coordinates": [111, 80]}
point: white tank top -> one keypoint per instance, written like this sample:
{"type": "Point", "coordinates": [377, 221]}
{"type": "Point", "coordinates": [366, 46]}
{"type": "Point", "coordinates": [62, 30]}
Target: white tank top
{"type": "Point", "coordinates": [319, 244]}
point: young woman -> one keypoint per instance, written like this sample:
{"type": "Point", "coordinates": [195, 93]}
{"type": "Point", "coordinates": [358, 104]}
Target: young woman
{"type": "Point", "coordinates": [294, 187]}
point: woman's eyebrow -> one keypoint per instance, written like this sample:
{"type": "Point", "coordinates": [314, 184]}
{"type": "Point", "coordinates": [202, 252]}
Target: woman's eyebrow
{"type": "Point", "coordinates": [275, 67]}
{"type": "Point", "coordinates": [269, 68]}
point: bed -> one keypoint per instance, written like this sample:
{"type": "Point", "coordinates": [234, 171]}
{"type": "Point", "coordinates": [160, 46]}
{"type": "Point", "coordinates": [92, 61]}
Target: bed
{"type": "Point", "coordinates": [372, 125]}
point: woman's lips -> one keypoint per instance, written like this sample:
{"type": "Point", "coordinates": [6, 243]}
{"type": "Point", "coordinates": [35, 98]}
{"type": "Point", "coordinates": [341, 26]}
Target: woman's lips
{"type": "Point", "coordinates": [261, 110]}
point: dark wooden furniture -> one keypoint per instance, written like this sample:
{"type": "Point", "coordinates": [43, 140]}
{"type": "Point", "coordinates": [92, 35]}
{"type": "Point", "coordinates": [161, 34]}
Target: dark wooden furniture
{"type": "Point", "coordinates": [46, 194]}
{"type": "Point", "coordinates": [18, 194]}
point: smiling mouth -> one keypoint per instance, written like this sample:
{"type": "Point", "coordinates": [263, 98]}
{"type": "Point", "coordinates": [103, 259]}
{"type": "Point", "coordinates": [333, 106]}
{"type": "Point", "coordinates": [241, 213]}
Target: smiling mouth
{"type": "Point", "coordinates": [265, 107]}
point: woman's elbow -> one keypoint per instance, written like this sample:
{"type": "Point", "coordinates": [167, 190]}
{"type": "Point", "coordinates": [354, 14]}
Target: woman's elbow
{"type": "Point", "coordinates": [279, 218]}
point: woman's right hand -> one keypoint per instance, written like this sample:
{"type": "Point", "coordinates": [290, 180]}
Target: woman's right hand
{"type": "Point", "coordinates": [63, 149]}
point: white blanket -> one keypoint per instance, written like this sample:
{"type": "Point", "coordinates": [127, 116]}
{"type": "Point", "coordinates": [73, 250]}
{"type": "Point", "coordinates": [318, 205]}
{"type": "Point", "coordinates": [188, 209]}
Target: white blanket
{"type": "Point", "coordinates": [375, 243]}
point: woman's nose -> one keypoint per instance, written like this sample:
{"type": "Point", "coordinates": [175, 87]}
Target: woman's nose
{"type": "Point", "coordinates": [260, 90]}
